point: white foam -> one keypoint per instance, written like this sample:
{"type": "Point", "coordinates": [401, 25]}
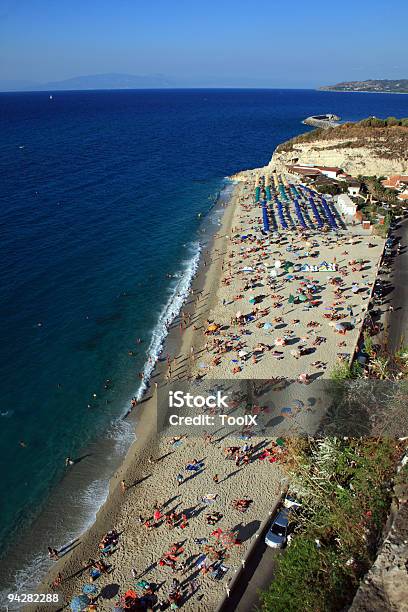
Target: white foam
{"type": "Point", "coordinates": [178, 295]}
{"type": "Point", "coordinates": [123, 434]}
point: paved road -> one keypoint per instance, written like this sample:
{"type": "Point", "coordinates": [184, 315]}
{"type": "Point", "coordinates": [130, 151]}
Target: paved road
{"type": "Point", "coordinates": [397, 320]}
{"type": "Point", "coordinates": [398, 323]}
{"type": "Point", "coordinates": [260, 580]}
{"type": "Point", "coordinates": [258, 574]}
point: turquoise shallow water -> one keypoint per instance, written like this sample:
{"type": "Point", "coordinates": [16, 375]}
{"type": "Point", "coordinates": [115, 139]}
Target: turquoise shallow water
{"type": "Point", "coordinates": [99, 202]}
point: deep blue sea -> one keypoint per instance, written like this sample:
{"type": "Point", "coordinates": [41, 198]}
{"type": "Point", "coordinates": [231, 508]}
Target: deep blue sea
{"type": "Point", "coordinates": [99, 201]}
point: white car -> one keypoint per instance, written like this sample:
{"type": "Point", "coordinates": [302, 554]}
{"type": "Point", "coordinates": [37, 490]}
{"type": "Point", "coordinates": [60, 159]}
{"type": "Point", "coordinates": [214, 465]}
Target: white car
{"type": "Point", "coordinates": [291, 502]}
{"type": "Point", "coordinates": [278, 531]}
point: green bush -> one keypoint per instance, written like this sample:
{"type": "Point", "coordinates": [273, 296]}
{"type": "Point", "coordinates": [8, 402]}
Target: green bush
{"type": "Point", "coordinates": [302, 579]}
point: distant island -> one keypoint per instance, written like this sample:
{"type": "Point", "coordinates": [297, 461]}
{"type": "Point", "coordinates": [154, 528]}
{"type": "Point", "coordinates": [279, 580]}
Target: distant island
{"type": "Point", "coordinates": [372, 85]}
{"type": "Point", "coordinates": [92, 81]}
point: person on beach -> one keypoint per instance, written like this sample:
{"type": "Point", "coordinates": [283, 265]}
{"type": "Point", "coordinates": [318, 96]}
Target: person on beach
{"type": "Point", "coordinates": [57, 582]}
{"type": "Point", "coordinates": [53, 553]}
{"type": "Point", "coordinates": [180, 479]}
{"type": "Point", "coordinates": [123, 486]}
{"type": "Point", "coordinates": [215, 478]}
{"type": "Point", "coordinates": [68, 461]}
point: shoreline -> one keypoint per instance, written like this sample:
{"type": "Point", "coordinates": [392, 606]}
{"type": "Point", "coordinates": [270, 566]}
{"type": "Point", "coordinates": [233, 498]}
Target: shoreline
{"type": "Point", "coordinates": [145, 419]}
{"type": "Point", "coordinates": [398, 93]}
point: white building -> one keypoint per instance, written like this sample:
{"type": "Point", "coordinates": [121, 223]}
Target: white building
{"type": "Point", "coordinates": [346, 205]}
{"type": "Point", "coordinates": [353, 189]}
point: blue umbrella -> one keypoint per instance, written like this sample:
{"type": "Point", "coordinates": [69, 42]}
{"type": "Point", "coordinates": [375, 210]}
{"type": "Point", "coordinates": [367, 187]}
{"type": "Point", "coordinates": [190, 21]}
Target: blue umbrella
{"type": "Point", "coordinates": [267, 326]}
{"type": "Point", "coordinates": [79, 603]}
{"type": "Point", "coordinates": [90, 589]}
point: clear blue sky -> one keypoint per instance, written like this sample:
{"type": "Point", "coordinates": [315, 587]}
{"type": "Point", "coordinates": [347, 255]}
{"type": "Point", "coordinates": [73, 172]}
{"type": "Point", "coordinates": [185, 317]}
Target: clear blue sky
{"type": "Point", "coordinates": [289, 43]}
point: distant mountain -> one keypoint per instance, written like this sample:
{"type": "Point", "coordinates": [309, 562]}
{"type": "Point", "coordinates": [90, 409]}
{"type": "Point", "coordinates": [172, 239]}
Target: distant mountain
{"type": "Point", "coordinates": [16, 85]}
{"type": "Point", "coordinates": [373, 85]}
{"type": "Point", "coordinates": [92, 81]}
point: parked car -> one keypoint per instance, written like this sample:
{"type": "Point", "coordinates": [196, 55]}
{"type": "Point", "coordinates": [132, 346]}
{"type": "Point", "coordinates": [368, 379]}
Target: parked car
{"type": "Point", "coordinates": [291, 502]}
{"type": "Point", "coordinates": [278, 531]}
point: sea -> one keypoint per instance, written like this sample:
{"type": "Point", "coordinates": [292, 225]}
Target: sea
{"type": "Point", "coordinates": [103, 200]}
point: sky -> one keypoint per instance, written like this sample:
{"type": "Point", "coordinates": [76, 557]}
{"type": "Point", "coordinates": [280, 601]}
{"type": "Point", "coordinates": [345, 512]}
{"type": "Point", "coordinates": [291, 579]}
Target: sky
{"type": "Point", "coordinates": [209, 43]}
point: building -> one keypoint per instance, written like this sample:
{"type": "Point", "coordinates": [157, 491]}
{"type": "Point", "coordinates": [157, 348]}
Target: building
{"type": "Point", "coordinates": [304, 172]}
{"type": "Point", "coordinates": [331, 172]}
{"type": "Point", "coordinates": [312, 171]}
{"type": "Point", "coordinates": [399, 182]}
{"type": "Point", "coordinates": [346, 205]}
{"type": "Point", "coordinates": [353, 188]}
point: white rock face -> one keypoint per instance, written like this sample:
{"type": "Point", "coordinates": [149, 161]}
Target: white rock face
{"type": "Point", "coordinates": [375, 160]}
{"type": "Point", "coordinates": [354, 160]}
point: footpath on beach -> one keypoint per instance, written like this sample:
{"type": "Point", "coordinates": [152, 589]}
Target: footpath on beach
{"type": "Point", "coordinates": [283, 297]}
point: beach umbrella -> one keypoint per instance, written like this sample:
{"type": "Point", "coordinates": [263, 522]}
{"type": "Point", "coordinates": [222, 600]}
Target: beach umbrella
{"type": "Point", "coordinates": [242, 354]}
{"type": "Point", "coordinates": [286, 410]}
{"type": "Point", "coordinates": [79, 603]}
{"type": "Point", "coordinates": [341, 326]}
{"type": "Point", "coordinates": [209, 499]}
{"type": "Point", "coordinates": [278, 263]}
{"type": "Point", "coordinates": [90, 589]}
{"type": "Point", "coordinates": [238, 315]}
{"type": "Point", "coordinates": [142, 584]}
{"type": "Point", "coordinates": [212, 328]}
{"type": "Point", "coordinates": [280, 342]}
{"type": "Point", "coordinates": [302, 297]}
{"type": "Point", "coordinates": [267, 326]}
{"type": "Point", "coordinates": [252, 300]}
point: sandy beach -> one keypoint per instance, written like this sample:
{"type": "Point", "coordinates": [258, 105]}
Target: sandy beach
{"type": "Point", "coordinates": [261, 331]}
{"type": "Point", "coordinates": [271, 337]}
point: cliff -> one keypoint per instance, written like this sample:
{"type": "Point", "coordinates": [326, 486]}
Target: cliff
{"type": "Point", "coordinates": [385, 587]}
{"type": "Point", "coordinates": [357, 148]}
